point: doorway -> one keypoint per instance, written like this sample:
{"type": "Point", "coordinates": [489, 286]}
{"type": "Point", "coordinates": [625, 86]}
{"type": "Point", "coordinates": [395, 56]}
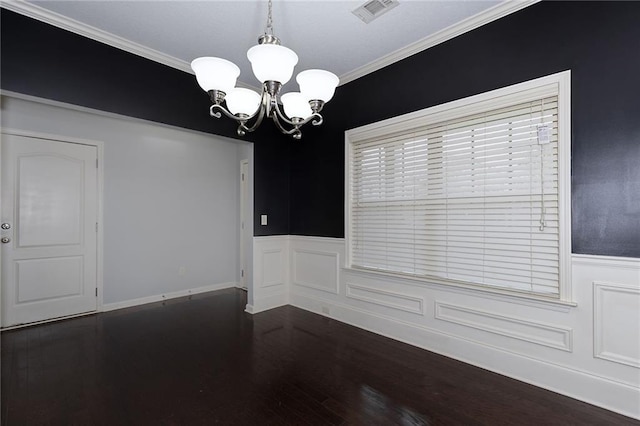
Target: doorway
{"type": "Point", "coordinates": [50, 228]}
{"type": "Point", "coordinates": [245, 223]}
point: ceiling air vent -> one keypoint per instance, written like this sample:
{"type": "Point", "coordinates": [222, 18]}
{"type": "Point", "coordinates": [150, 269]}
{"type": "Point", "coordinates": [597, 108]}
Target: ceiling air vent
{"type": "Point", "coordinates": [373, 9]}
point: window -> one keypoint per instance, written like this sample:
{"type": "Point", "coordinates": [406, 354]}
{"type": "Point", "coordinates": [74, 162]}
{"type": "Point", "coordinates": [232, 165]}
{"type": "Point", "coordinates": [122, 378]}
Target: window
{"type": "Point", "coordinates": [473, 192]}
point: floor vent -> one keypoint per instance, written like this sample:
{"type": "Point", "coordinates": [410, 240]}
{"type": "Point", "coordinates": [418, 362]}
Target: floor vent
{"type": "Point", "coordinates": [374, 9]}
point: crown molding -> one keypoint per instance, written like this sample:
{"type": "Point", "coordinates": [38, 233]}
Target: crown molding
{"type": "Point", "coordinates": [492, 14]}
{"type": "Point", "coordinates": [41, 14]}
{"type": "Point", "coordinates": [60, 21]}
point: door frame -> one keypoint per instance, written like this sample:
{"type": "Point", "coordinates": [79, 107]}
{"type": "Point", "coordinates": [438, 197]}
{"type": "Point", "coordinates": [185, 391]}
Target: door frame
{"type": "Point", "coordinates": [100, 189]}
{"type": "Point", "coordinates": [244, 223]}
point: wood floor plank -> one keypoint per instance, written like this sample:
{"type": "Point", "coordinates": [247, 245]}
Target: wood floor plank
{"type": "Point", "coordinates": [202, 360]}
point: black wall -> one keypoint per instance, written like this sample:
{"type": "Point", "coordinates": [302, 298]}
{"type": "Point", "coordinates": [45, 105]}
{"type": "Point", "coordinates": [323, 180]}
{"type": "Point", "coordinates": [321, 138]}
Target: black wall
{"type": "Point", "coordinates": [300, 184]}
{"type": "Point", "coordinates": [598, 41]}
{"type": "Point", "coordinates": [47, 62]}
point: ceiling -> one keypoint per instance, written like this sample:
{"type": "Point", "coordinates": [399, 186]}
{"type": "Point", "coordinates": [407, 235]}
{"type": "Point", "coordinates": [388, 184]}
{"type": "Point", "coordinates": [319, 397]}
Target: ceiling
{"type": "Point", "coordinates": [324, 34]}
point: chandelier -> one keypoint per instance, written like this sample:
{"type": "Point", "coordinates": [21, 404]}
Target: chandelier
{"type": "Point", "coordinates": [272, 64]}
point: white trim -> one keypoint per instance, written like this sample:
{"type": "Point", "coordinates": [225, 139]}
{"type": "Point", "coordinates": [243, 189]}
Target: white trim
{"type": "Point", "coordinates": [244, 223]}
{"type": "Point", "coordinates": [166, 296]}
{"type": "Point", "coordinates": [599, 349]}
{"type": "Point", "coordinates": [567, 380]}
{"type": "Point", "coordinates": [60, 21]}
{"type": "Point", "coordinates": [99, 193]}
{"type": "Point", "coordinates": [610, 261]}
{"type": "Point", "coordinates": [565, 342]}
{"type": "Point", "coordinates": [420, 300]}
{"type": "Point", "coordinates": [336, 271]}
{"type": "Point", "coordinates": [487, 16]}
{"type": "Point", "coordinates": [564, 185]}
{"type": "Point", "coordinates": [471, 290]}
{"type": "Point", "coordinates": [554, 84]}
{"type": "Point", "coordinates": [44, 15]}
{"type": "Point", "coordinates": [520, 92]}
{"type": "Point", "coordinates": [331, 240]}
{"type": "Point", "coordinates": [271, 238]}
{"type": "Point", "coordinates": [264, 283]}
{"type": "Point", "coordinates": [31, 324]}
{"type": "Point", "coordinates": [267, 303]}
{"type": "Point", "coordinates": [87, 110]}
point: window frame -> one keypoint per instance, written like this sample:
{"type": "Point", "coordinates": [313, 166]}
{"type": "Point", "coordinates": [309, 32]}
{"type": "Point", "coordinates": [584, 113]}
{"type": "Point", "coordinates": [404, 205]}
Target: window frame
{"type": "Point", "coordinates": [556, 84]}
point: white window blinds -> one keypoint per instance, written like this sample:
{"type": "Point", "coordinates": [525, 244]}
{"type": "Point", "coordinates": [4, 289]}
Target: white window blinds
{"type": "Point", "coordinates": [471, 199]}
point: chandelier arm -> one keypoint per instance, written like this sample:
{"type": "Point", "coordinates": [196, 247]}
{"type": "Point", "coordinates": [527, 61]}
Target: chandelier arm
{"type": "Point", "coordinates": [295, 131]}
{"type": "Point", "coordinates": [220, 109]}
{"type": "Point", "coordinates": [260, 113]}
{"type": "Point", "coordinates": [316, 117]}
{"type": "Point", "coordinates": [242, 121]}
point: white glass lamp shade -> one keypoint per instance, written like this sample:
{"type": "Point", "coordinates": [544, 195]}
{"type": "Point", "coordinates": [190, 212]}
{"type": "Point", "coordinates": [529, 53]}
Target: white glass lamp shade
{"type": "Point", "coordinates": [317, 84]}
{"type": "Point", "coordinates": [296, 105]}
{"type": "Point", "coordinates": [271, 62]}
{"type": "Point", "coordinates": [215, 73]}
{"type": "Point", "coordinates": [242, 101]}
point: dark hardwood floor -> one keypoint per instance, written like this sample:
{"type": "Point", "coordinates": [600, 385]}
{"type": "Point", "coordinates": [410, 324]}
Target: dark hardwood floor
{"type": "Point", "coordinates": [202, 360]}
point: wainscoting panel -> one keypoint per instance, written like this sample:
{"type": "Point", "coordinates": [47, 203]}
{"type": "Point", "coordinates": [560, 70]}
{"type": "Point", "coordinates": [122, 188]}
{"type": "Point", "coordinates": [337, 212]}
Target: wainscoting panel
{"type": "Point", "coordinates": [516, 328]}
{"type": "Point", "coordinates": [390, 299]}
{"type": "Point", "coordinates": [272, 267]}
{"type": "Point", "coordinates": [270, 286]}
{"type": "Point", "coordinates": [615, 312]}
{"type": "Point", "coordinates": [587, 349]}
{"type": "Point", "coordinates": [316, 269]}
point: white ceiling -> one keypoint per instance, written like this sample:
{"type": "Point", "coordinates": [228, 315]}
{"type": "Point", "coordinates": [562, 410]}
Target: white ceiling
{"type": "Point", "coordinates": [324, 34]}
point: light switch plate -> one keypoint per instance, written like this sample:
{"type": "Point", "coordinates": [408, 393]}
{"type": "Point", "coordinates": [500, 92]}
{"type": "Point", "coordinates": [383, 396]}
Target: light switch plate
{"type": "Point", "coordinates": [263, 219]}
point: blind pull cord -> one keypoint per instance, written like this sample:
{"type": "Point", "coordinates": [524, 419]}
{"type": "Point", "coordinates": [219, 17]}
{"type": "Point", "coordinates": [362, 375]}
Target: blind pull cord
{"type": "Point", "coordinates": [543, 140]}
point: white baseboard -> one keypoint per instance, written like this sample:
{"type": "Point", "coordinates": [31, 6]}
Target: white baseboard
{"type": "Point", "coordinates": [165, 296]}
{"type": "Point", "coordinates": [269, 302]}
{"type": "Point", "coordinates": [596, 390]}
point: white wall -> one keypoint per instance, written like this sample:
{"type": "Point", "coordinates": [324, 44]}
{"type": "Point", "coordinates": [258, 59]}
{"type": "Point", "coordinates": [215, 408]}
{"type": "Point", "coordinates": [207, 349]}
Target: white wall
{"type": "Point", "coordinates": [590, 352]}
{"type": "Point", "coordinates": [170, 200]}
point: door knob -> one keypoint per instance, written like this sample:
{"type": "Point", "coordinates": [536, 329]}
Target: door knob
{"type": "Point", "coordinates": [5, 240]}
{"type": "Point", "coordinates": [5, 226]}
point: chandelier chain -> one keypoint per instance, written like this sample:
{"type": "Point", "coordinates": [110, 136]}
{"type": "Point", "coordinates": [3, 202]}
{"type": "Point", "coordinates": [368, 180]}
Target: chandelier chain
{"type": "Point", "coordinates": [269, 28]}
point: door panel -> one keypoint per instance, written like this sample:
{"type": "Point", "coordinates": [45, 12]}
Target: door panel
{"type": "Point", "coordinates": [63, 275]}
{"type": "Point", "coordinates": [49, 191]}
{"type": "Point", "coordinates": [49, 199]}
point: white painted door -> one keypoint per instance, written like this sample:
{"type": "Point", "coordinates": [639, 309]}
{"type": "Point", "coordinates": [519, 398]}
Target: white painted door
{"type": "Point", "coordinates": [49, 251]}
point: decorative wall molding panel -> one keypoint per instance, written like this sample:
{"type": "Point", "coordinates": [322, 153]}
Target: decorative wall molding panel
{"type": "Point", "coordinates": [517, 328]}
{"type": "Point", "coordinates": [616, 324]}
{"type": "Point", "coordinates": [389, 299]}
{"type": "Point", "coordinates": [272, 267]}
{"type": "Point", "coordinates": [270, 286]}
{"type": "Point", "coordinates": [542, 343]}
{"type": "Point", "coordinates": [316, 269]}
{"type": "Point", "coordinates": [535, 370]}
